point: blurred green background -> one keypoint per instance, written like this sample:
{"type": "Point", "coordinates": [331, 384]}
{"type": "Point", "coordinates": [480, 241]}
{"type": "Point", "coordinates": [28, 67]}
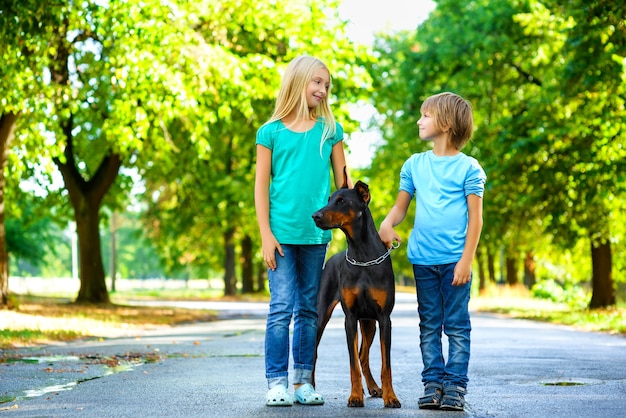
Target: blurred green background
{"type": "Point", "coordinates": [127, 135]}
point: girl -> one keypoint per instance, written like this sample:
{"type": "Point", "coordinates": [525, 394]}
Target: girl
{"type": "Point", "coordinates": [295, 150]}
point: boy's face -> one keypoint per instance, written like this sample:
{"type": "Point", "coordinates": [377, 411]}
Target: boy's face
{"type": "Point", "coordinates": [428, 128]}
{"type": "Point", "coordinates": [318, 87]}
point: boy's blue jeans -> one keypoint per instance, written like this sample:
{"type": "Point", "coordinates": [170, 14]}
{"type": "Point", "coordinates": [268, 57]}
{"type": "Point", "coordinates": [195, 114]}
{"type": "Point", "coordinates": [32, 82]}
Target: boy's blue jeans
{"type": "Point", "coordinates": [442, 306]}
{"type": "Point", "coordinates": [294, 286]}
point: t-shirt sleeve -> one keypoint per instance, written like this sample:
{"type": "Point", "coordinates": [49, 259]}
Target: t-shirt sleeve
{"type": "Point", "coordinates": [406, 177]}
{"type": "Point", "coordinates": [475, 180]}
{"type": "Point", "coordinates": [264, 136]}
{"type": "Point", "coordinates": [338, 134]}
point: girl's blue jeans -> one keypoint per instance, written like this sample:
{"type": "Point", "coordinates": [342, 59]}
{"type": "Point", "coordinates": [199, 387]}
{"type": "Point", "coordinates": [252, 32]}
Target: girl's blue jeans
{"type": "Point", "coordinates": [294, 286]}
{"type": "Point", "coordinates": [443, 307]}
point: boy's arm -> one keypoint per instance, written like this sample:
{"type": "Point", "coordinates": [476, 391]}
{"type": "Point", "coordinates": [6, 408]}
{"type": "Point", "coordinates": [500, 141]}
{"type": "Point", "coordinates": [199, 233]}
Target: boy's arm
{"type": "Point", "coordinates": [463, 269]}
{"type": "Point", "coordinates": [395, 216]}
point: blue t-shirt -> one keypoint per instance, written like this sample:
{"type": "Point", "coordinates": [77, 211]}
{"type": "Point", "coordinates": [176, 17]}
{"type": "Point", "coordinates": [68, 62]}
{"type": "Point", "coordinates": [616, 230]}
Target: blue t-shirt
{"type": "Point", "coordinates": [440, 186]}
{"type": "Point", "coordinates": [300, 180]}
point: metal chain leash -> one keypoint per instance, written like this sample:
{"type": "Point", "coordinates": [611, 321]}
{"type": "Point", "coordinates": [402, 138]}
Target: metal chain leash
{"type": "Point", "coordinates": [372, 262]}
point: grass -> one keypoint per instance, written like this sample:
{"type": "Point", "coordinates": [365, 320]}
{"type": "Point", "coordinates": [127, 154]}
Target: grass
{"type": "Point", "coordinates": [32, 321]}
{"type": "Point", "coordinates": [517, 303]}
{"type": "Point", "coordinates": [28, 337]}
{"type": "Point", "coordinates": [184, 294]}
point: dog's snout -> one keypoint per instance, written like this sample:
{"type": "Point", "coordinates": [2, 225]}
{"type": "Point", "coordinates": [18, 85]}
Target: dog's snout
{"type": "Point", "coordinates": [317, 216]}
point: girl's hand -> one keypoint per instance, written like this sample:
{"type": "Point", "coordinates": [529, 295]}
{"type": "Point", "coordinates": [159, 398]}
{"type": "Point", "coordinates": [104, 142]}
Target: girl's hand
{"type": "Point", "coordinates": [269, 248]}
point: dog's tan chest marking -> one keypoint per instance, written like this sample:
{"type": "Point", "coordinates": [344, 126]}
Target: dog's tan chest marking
{"type": "Point", "coordinates": [379, 296]}
{"type": "Point", "coordinates": [349, 296]}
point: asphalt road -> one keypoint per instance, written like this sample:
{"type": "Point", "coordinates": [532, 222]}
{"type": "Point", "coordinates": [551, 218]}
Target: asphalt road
{"type": "Point", "coordinates": [518, 369]}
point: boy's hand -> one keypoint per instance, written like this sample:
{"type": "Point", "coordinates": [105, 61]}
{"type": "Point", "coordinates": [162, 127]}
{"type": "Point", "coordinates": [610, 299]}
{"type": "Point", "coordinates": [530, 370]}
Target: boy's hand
{"type": "Point", "coordinates": [462, 273]}
{"type": "Point", "coordinates": [388, 235]}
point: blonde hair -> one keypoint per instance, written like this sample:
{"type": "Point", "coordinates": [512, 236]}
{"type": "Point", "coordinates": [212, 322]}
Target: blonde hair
{"type": "Point", "coordinates": [292, 95]}
{"type": "Point", "coordinates": [453, 113]}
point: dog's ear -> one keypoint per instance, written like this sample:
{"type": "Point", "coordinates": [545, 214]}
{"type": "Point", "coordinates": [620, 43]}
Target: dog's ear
{"type": "Point", "coordinates": [345, 178]}
{"type": "Point", "coordinates": [363, 190]}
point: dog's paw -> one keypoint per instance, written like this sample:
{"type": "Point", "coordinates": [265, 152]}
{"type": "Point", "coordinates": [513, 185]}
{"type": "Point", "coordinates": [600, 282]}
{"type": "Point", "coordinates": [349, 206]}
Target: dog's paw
{"type": "Point", "coordinates": [392, 403]}
{"type": "Point", "coordinates": [375, 392]}
{"type": "Point", "coordinates": [356, 401]}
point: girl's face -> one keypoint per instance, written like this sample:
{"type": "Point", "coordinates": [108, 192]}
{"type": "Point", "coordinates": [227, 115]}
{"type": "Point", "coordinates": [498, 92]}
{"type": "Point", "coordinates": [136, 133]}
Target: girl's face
{"type": "Point", "coordinates": [318, 87]}
{"type": "Point", "coordinates": [427, 126]}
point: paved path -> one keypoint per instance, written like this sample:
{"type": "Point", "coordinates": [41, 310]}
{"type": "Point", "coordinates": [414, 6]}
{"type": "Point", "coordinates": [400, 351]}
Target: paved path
{"type": "Point", "coordinates": [518, 369]}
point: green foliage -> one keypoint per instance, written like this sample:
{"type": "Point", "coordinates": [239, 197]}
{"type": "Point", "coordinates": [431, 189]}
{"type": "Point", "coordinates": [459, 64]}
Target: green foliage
{"type": "Point", "coordinates": [204, 192]}
{"type": "Point", "coordinates": [546, 80]}
{"type": "Point", "coordinates": [573, 296]}
{"type": "Point", "coordinates": [178, 90]}
{"type": "Point", "coordinates": [34, 236]}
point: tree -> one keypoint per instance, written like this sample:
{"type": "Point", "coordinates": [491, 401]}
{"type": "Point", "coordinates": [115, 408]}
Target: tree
{"type": "Point", "coordinates": [473, 49]}
{"type": "Point", "coordinates": [7, 125]}
{"type": "Point", "coordinates": [546, 81]}
{"type": "Point", "coordinates": [579, 144]}
{"type": "Point", "coordinates": [117, 75]}
{"type": "Point", "coordinates": [211, 192]}
{"type": "Point", "coordinates": [581, 114]}
{"type": "Point", "coordinates": [23, 34]}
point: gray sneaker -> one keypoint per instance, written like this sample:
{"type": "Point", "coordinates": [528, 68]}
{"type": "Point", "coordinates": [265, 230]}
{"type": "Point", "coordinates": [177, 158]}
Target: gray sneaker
{"type": "Point", "coordinates": [453, 398]}
{"type": "Point", "coordinates": [433, 392]}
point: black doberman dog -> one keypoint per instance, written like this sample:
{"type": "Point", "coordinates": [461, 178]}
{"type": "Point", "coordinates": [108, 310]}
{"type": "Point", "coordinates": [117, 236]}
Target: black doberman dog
{"type": "Point", "coordinates": [362, 279]}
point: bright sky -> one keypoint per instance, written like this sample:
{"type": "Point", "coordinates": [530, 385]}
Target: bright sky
{"type": "Point", "coordinates": [368, 17]}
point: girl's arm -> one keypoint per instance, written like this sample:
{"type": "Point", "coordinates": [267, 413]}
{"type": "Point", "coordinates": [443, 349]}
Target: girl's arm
{"type": "Point", "coordinates": [338, 160]}
{"type": "Point", "coordinates": [463, 269]}
{"type": "Point", "coordinates": [395, 216]}
{"type": "Point", "coordinates": [269, 243]}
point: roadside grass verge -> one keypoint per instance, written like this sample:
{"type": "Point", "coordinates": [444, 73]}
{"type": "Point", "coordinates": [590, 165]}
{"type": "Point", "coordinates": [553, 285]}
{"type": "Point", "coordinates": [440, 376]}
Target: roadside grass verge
{"type": "Point", "coordinates": [184, 294]}
{"type": "Point", "coordinates": [32, 320]}
{"type": "Point", "coordinates": [10, 338]}
{"type": "Point", "coordinates": [517, 303]}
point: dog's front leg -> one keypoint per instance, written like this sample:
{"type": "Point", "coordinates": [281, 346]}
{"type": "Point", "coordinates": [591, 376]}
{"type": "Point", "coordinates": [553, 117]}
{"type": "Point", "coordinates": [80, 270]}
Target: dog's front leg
{"type": "Point", "coordinates": [356, 395]}
{"type": "Point", "coordinates": [389, 396]}
{"type": "Point", "coordinates": [368, 331]}
{"type": "Point", "coordinates": [325, 310]}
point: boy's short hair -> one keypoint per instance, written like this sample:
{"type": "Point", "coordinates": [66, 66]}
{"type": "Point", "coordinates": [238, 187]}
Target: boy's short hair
{"type": "Point", "coordinates": [453, 113]}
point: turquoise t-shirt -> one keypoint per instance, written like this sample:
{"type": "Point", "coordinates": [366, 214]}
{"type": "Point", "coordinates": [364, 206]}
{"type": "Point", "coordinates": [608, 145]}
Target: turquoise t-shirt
{"type": "Point", "coordinates": [440, 185]}
{"type": "Point", "coordinates": [300, 180]}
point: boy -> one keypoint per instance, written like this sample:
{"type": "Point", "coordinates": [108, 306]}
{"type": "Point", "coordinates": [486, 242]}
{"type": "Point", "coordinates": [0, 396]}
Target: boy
{"type": "Point", "coordinates": [448, 187]}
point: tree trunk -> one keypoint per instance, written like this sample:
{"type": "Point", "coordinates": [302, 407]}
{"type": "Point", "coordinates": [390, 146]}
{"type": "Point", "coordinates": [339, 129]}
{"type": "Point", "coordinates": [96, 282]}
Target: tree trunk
{"type": "Point", "coordinates": [261, 275]}
{"type": "Point", "coordinates": [91, 269]}
{"type": "Point", "coordinates": [491, 266]}
{"type": "Point", "coordinates": [86, 197]}
{"type": "Point", "coordinates": [230, 280]}
{"type": "Point", "coordinates": [247, 270]}
{"type": "Point", "coordinates": [113, 261]}
{"type": "Point", "coordinates": [511, 271]}
{"type": "Point", "coordinates": [482, 277]}
{"type": "Point", "coordinates": [529, 270]}
{"type": "Point", "coordinates": [7, 127]}
{"type": "Point", "coordinates": [603, 293]}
